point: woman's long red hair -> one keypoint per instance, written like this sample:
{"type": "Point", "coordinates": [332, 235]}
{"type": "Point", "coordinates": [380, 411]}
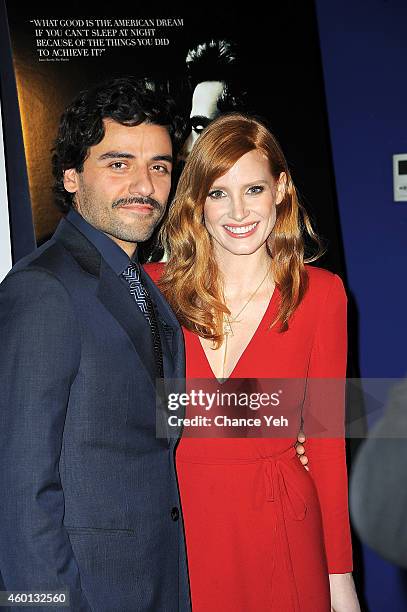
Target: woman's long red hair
{"type": "Point", "coordinates": [191, 282]}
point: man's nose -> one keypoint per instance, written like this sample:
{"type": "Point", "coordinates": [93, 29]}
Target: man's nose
{"type": "Point", "coordinates": [141, 183]}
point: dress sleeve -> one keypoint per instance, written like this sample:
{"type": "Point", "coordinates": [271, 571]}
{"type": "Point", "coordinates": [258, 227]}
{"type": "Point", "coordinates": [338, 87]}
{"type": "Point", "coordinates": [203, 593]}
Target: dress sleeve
{"type": "Point", "coordinates": [327, 458]}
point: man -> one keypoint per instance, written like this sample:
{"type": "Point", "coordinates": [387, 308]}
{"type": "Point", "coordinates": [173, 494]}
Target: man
{"type": "Point", "coordinates": [89, 493]}
{"type": "Point", "coordinates": [378, 499]}
{"type": "Point", "coordinates": [215, 77]}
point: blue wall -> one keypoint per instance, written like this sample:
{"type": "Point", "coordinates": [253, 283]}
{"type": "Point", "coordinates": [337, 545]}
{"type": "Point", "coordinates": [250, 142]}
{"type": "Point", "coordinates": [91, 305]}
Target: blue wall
{"type": "Point", "coordinates": [364, 56]}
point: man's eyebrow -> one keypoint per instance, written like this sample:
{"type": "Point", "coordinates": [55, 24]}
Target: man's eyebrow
{"type": "Point", "coordinates": [115, 155]}
{"type": "Point", "coordinates": [124, 155]}
{"type": "Point", "coordinates": [200, 119]}
{"type": "Point", "coordinates": [167, 158]}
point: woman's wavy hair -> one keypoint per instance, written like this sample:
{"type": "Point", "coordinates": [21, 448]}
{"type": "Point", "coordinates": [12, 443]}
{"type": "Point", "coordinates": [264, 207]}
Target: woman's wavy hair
{"type": "Point", "coordinates": [192, 282]}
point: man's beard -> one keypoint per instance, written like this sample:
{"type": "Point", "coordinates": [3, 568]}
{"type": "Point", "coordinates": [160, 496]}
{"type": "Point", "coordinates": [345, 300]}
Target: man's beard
{"type": "Point", "coordinates": [106, 218]}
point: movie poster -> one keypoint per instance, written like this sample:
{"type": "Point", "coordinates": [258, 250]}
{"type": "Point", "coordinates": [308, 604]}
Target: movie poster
{"type": "Point", "coordinates": [269, 66]}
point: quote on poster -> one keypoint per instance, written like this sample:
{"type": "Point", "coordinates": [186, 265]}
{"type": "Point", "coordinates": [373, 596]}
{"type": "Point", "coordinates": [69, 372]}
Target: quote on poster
{"type": "Point", "coordinates": [64, 39]}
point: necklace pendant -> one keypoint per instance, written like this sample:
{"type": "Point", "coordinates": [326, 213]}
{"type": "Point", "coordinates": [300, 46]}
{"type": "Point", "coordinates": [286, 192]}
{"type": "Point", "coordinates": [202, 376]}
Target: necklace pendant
{"type": "Point", "coordinates": [227, 327]}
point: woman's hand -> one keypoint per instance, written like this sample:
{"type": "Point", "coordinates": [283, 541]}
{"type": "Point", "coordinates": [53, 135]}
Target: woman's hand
{"type": "Point", "coordinates": [343, 593]}
{"type": "Point", "coordinates": [299, 447]}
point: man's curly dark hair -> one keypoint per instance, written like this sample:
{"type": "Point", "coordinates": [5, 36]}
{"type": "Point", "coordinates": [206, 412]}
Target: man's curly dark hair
{"type": "Point", "coordinates": [127, 100]}
{"type": "Point", "coordinates": [217, 60]}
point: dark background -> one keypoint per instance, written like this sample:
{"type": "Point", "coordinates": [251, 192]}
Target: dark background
{"type": "Point", "coordinates": [280, 68]}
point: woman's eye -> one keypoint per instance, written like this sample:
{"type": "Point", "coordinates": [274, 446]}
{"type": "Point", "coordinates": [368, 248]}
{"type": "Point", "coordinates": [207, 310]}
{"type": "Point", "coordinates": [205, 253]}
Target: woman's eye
{"type": "Point", "coordinates": [216, 194]}
{"type": "Point", "coordinates": [256, 189]}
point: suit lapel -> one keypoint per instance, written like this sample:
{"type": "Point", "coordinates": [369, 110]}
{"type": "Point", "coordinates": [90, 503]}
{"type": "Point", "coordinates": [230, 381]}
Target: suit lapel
{"type": "Point", "coordinates": [171, 333]}
{"type": "Point", "coordinates": [172, 338]}
{"type": "Point", "coordinates": [83, 251]}
{"type": "Point", "coordinates": [115, 296]}
{"type": "Point", "coordinates": [112, 292]}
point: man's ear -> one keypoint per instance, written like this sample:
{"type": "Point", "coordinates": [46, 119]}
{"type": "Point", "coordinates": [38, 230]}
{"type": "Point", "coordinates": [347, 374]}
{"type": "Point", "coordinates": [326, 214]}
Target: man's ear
{"type": "Point", "coordinates": [281, 188]}
{"type": "Point", "coordinates": [71, 182]}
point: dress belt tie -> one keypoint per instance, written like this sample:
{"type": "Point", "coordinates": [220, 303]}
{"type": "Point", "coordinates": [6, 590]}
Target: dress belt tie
{"type": "Point", "coordinates": [278, 469]}
{"type": "Point", "coordinates": [277, 472]}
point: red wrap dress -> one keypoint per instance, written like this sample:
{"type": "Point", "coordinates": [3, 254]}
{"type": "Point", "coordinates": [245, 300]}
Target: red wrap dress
{"type": "Point", "coordinates": [262, 532]}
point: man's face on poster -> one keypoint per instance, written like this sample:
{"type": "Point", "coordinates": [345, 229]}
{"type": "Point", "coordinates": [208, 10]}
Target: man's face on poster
{"type": "Point", "coordinates": [125, 182]}
{"type": "Point", "coordinates": [204, 109]}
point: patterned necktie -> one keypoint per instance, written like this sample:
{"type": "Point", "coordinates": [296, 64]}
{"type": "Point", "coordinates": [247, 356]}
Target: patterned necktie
{"type": "Point", "coordinates": [143, 301]}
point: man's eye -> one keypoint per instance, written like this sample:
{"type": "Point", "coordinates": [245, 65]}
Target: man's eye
{"type": "Point", "coordinates": [216, 194]}
{"type": "Point", "coordinates": [160, 169]}
{"type": "Point", "coordinates": [198, 129]}
{"type": "Point", "coordinates": [198, 124]}
{"type": "Point", "coordinates": [118, 165]}
{"type": "Point", "coordinates": [256, 189]}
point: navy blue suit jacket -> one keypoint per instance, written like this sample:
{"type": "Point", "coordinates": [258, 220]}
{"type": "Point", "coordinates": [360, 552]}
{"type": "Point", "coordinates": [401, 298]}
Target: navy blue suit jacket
{"type": "Point", "coordinates": [89, 495]}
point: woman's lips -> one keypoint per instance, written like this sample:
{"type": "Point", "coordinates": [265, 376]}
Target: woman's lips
{"type": "Point", "coordinates": [241, 231]}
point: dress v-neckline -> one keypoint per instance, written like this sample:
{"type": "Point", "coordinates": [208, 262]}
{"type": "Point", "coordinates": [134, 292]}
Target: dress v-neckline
{"type": "Point", "coordinates": [255, 333]}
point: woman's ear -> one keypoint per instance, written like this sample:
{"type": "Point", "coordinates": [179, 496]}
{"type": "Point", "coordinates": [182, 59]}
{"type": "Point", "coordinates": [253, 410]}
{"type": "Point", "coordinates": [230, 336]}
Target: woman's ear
{"type": "Point", "coordinates": [281, 188]}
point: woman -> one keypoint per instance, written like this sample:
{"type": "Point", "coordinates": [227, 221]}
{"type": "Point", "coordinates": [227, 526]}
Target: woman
{"type": "Point", "coordinates": [262, 533]}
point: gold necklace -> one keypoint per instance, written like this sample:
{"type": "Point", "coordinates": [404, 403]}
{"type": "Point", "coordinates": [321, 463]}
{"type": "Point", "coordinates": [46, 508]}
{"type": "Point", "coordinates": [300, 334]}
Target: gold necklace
{"type": "Point", "coordinates": [227, 322]}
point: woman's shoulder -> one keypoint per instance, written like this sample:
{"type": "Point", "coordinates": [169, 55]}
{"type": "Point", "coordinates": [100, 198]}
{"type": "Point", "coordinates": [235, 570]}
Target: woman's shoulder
{"type": "Point", "coordinates": [154, 270]}
{"type": "Point", "coordinates": [322, 283]}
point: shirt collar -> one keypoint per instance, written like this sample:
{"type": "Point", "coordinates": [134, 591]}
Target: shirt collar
{"type": "Point", "coordinates": [117, 259]}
